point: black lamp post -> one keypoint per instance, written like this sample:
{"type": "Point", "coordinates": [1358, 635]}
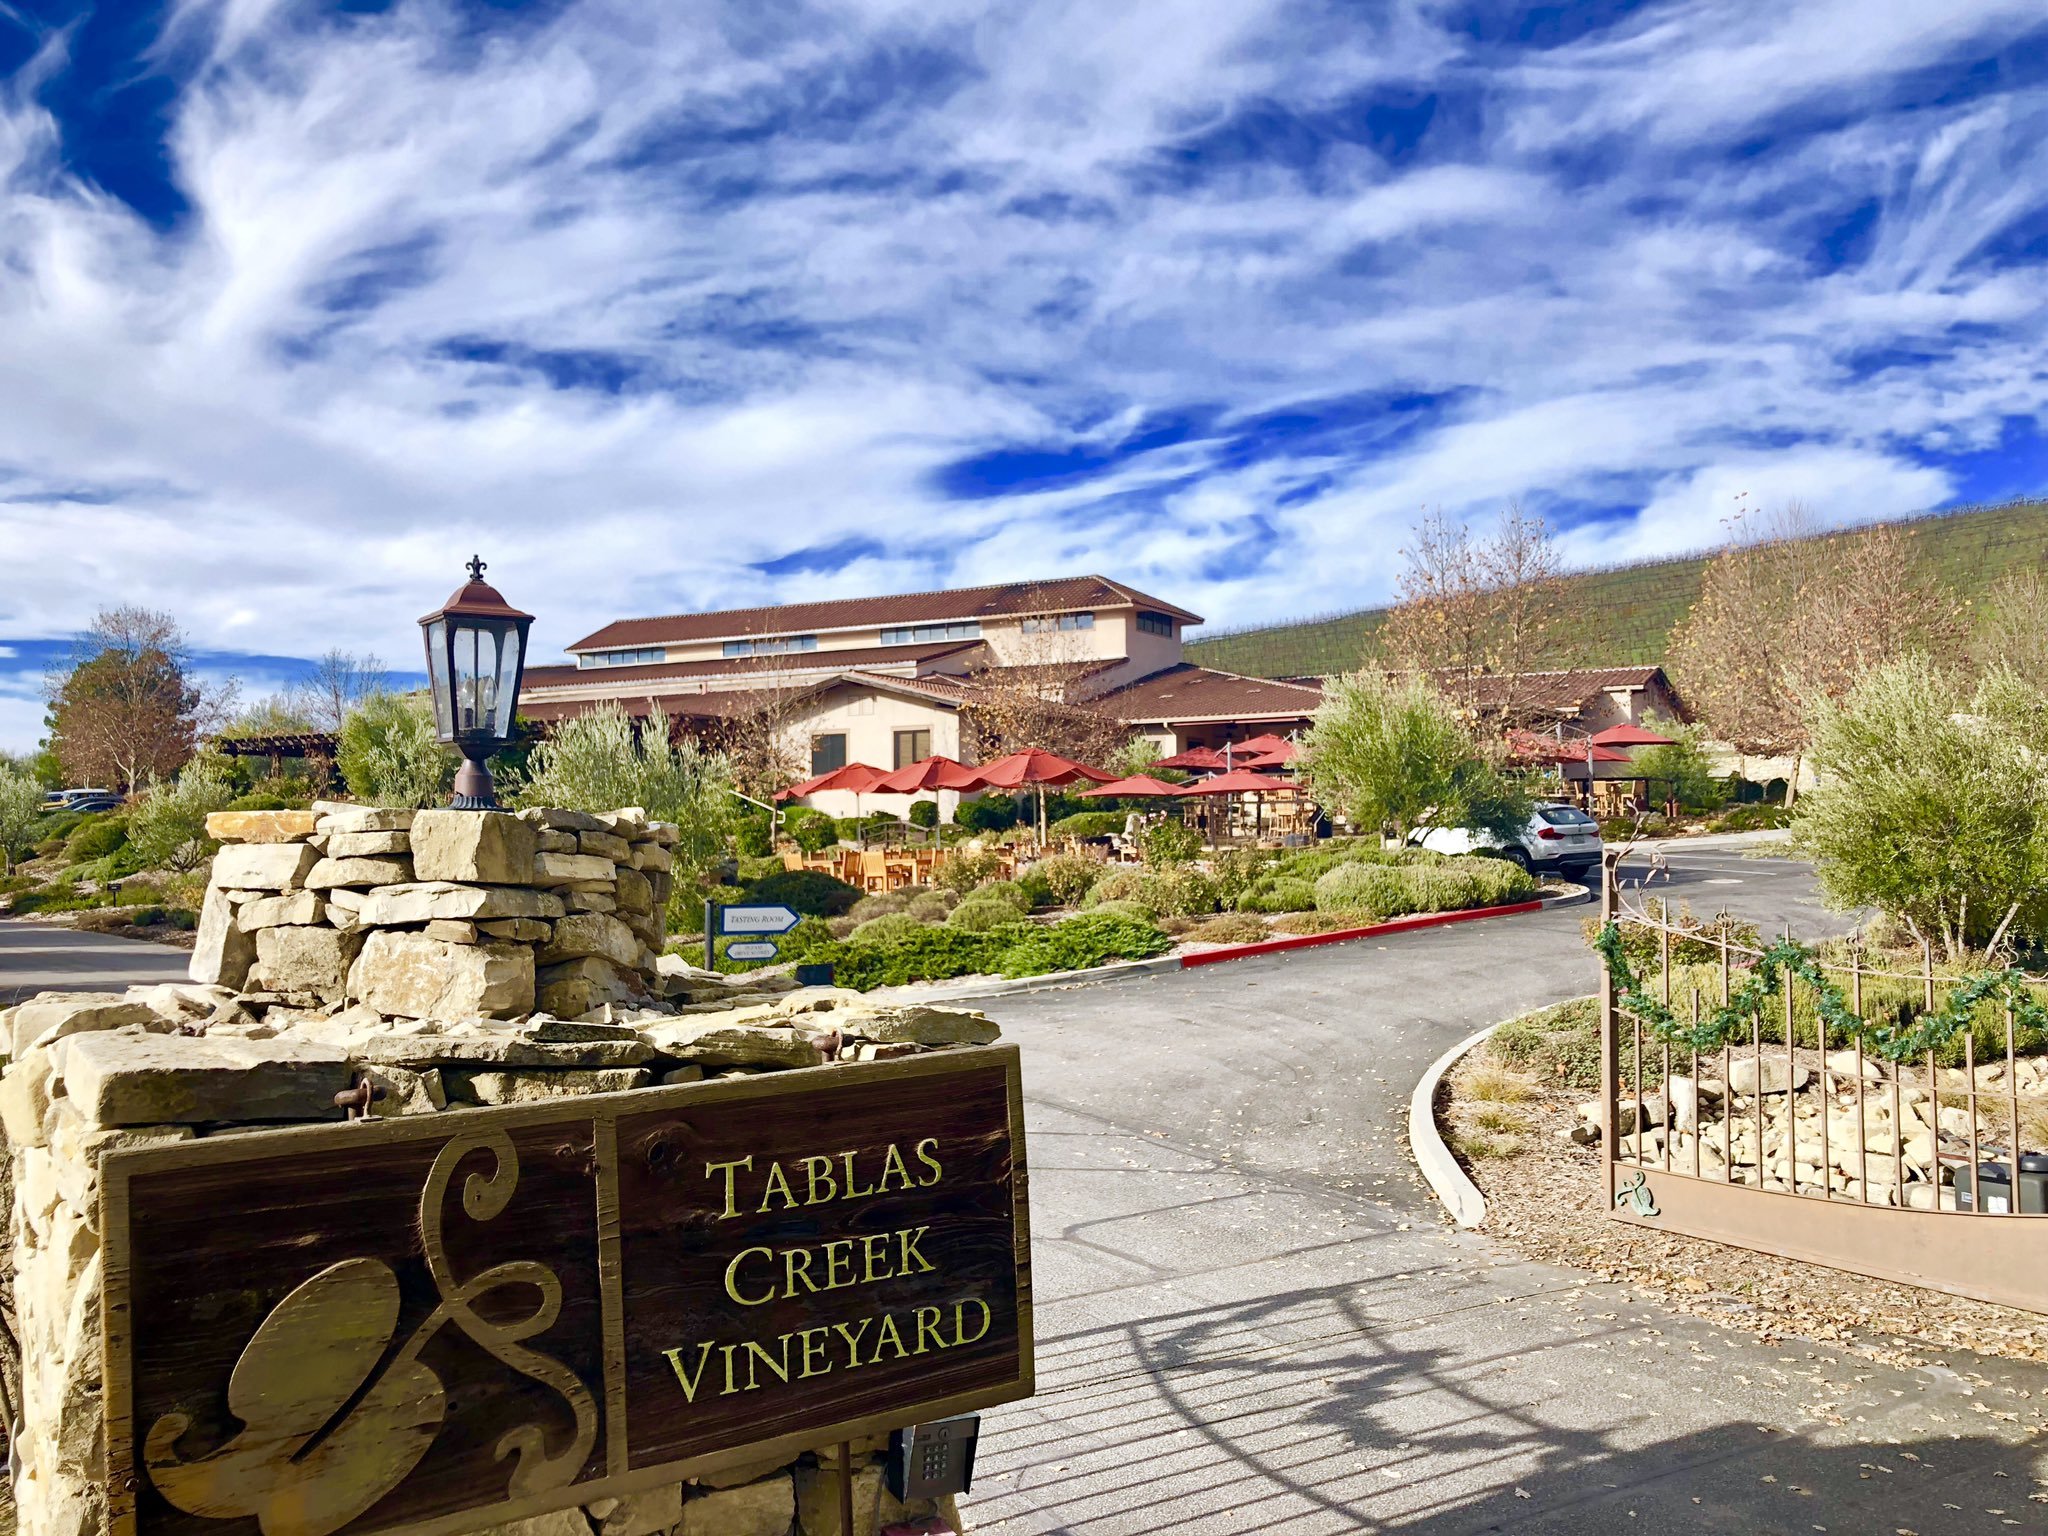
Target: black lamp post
{"type": "Point", "coordinates": [476, 656]}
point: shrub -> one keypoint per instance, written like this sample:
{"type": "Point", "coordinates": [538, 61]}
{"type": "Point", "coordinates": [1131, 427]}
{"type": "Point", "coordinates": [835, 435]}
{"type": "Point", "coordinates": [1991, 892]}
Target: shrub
{"type": "Point", "coordinates": [924, 813]}
{"type": "Point", "coordinates": [603, 760]}
{"type": "Point", "coordinates": [1067, 876]}
{"type": "Point", "coordinates": [811, 830]}
{"type": "Point", "coordinates": [751, 837]}
{"type": "Point", "coordinates": [879, 904]}
{"type": "Point", "coordinates": [1230, 928]}
{"type": "Point", "coordinates": [1186, 893]}
{"type": "Point", "coordinates": [983, 914]}
{"type": "Point", "coordinates": [1088, 824]}
{"type": "Point", "coordinates": [987, 813]}
{"type": "Point", "coordinates": [167, 828]}
{"type": "Point", "coordinates": [1034, 887]}
{"type": "Point", "coordinates": [1168, 844]}
{"type": "Point", "coordinates": [1131, 909]}
{"type": "Point", "coordinates": [388, 754]}
{"type": "Point", "coordinates": [927, 954]}
{"type": "Point", "coordinates": [96, 836]}
{"type": "Point", "coordinates": [1322, 922]}
{"type": "Point", "coordinates": [1559, 1044]}
{"type": "Point", "coordinates": [1278, 893]}
{"type": "Point", "coordinates": [1237, 870]}
{"type": "Point", "coordinates": [1123, 885]}
{"type": "Point", "coordinates": [1090, 939]}
{"type": "Point", "coordinates": [932, 906]}
{"type": "Point", "coordinates": [883, 929]}
{"type": "Point", "coordinates": [811, 892]}
{"type": "Point", "coordinates": [1752, 818]}
{"type": "Point", "coordinates": [964, 871]}
{"type": "Point", "coordinates": [1006, 890]}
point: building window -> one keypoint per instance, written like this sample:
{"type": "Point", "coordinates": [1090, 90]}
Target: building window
{"type": "Point", "coordinates": [771, 645]}
{"type": "Point", "coordinates": [912, 747]}
{"type": "Point", "coordinates": [640, 656]}
{"type": "Point", "coordinates": [1155, 624]}
{"type": "Point", "coordinates": [828, 753]}
{"type": "Point", "coordinates": [925, 634]}
{"type": "Point", "coordinates": [1052, 622]}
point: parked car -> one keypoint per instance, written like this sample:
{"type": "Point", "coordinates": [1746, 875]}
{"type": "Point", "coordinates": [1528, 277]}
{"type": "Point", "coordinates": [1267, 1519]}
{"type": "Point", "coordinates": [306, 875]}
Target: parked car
{"type": "Point", "coordinates": [1558, 839]}
{"type": "Point", "coordinates": [87, 800]}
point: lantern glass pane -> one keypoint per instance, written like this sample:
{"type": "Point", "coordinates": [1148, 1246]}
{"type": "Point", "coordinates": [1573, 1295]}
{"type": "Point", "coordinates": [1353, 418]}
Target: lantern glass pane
{"type": "Point", "coordinates": [476, 678]}
{"type": "Point", "coordinates": [437, 664]}
{"type": "Point", "coordinates": [508, 678]}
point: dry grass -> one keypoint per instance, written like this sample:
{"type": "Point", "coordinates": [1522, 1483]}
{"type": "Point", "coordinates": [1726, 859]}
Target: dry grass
{"type": "Point", "coordinates": [1495, 1084]}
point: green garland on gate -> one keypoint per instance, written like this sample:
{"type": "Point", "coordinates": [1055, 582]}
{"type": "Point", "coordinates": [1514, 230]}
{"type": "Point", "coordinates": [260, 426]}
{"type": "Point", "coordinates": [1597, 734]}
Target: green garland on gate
{"type": "Point", "coordinates": [1892, 1040]}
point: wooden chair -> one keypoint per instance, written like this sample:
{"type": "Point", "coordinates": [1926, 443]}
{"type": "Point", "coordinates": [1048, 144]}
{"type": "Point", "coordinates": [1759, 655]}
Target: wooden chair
{"type": "Point", "coordinates": [872, 870]}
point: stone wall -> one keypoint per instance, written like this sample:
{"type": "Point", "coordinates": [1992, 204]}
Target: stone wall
{"type": "Point", "coordinates": [351, 953]}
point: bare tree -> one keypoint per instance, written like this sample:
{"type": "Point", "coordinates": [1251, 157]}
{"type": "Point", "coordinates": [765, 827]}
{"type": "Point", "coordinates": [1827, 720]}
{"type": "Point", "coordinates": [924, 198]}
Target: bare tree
{"type": "Point", "coordinates": [2010, 629]}
{"type": "Point", "coordinates": [1787, 618]}
{"type": "Point", "coordinates": [762, 736]}
{"type": "Point", "coordinates": [1043, 696]}
{"type": "Point", "coordinates": [340, 681]}
{"type": "Point", "coordinates": [128, 708]}
{"type": "Point", "coordinates": [1477, 615]}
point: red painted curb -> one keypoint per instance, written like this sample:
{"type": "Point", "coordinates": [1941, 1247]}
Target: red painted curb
{"type": "Point", "coordinates": [1344, 935]}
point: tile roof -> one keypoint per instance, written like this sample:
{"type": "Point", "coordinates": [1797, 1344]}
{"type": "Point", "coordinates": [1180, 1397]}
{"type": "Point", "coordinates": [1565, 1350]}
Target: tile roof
{"type": "Point", "coordinates": [1065, 594]}
{"type": "Point", "coordinates": [750, 666]}
{"type": "Point", "coordinates": [1564, 691]}
{"type": "Point", "coordinates": [1189, 692]}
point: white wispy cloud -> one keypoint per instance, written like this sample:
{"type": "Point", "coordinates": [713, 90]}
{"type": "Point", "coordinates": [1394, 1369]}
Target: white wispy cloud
{"type": "Point", "coordinates": [633, 298]}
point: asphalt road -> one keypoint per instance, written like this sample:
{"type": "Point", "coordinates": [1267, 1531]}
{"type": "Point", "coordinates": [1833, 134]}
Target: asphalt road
{"type": "Point", "coordinates": [36, 957]}
{"type": "Point", "coordinates": [1251, 1316]}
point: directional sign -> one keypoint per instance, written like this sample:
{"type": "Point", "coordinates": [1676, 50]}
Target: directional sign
{"type": "Point", "coordinates": [752, 949]}
{"type": "Point", "coordinates": [756, 919]}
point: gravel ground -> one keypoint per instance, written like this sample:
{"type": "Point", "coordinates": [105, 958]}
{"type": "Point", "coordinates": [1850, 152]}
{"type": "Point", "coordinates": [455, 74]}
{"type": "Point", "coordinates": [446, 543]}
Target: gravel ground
{"type": "Point", "coordinates": [1542, 1200]}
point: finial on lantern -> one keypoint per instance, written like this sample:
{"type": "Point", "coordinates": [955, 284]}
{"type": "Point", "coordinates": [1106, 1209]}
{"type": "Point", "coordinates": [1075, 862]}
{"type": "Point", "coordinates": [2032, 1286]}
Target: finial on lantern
{"type": "Point", "coordinates": [476, 568]}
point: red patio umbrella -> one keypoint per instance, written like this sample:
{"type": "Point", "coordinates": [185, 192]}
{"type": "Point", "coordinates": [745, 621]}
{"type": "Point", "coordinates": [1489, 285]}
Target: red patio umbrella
{"type": "Point", "coordinates": [1137, 786]}
{"type": "Point", "coordinates": [1259, 744]}
{"type": "Point", "coordinates": [858, 777]}
{"type": "Point", "coordinates": [1629, 736]}
{"type": "Point", "coordinates": [1239, 781]}
{"type": "Point", "coordinates": [1283, 754]}
{"type": "Point", "coordinates": [1194, 757]}
{"type": "Point", "coordinates": [1037, 769]}
{"type": "Point", "coordinates": [934, 772]}
{"type": "Point", "coordinates": [1528, 747]}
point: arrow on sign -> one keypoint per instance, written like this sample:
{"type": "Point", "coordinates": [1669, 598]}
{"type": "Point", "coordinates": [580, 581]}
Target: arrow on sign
{"type": "Point", "coordinates": [752, 949]}
{"type": "Point", "coordinates": [756, 919]}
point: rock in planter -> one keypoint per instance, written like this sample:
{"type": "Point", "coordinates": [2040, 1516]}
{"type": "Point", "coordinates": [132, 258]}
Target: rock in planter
{"type": "Point", "coordinates": [51, 1016]}
{"type": "Point", "coordinates": [261, 826]}
{"type": "Point", "coordinates": [294, 908]}
{"type": "Point", "coordinates": [367, 845]}
{"type": "Point", "coordinates": [765, 1508]}
{"type": "Point", "coordinates": [919, 1026]}
{"type": "Point", "coordinates": [129, 1079]}
{"type": "Point", "coordinates": [312, 960]}
{"type": "Point", "coordinates": [489, 847]}
{"type": "Point", "coordinates": [415, 977]}
{"type": "Point", "coordinates": [1776, 1077]}
{"type": "Point", "coordinates": [390, 870]}
{"type": "Point", "coordinates": [362, 818]}
{"type": "Point", "coordinates": [641, 1514]}
{"type": "Point", "coordinates": [223, 953]}
{"type": "Point", "coordinates": [591, 933]}
{"type": "Point", "coordinates": [438, 899]}
{"type": "Point", "coordinates": [565, 868]}
{"type": "Point", "coordinates": [733, 1045]}
{"type": "Point", "coordinates": [485, 1087]}
{"type": "Point", "coordinates": [262, 866]}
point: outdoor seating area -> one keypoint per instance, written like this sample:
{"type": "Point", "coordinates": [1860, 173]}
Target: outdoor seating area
{"type": "Point", "coordinates": [1233, 797]}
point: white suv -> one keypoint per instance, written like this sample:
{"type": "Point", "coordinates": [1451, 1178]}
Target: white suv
{"type": "Point", "coordinates": [1559, 839]}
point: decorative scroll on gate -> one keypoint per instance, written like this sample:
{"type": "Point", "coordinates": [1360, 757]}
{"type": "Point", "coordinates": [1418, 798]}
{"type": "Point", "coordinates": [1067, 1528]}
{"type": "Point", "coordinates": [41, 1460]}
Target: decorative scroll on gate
{"type": "Point", "coordinates": [435, 1324]}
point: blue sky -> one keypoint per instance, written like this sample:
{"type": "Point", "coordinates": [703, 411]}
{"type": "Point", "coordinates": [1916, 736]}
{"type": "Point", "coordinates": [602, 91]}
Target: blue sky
{"type": "Point", "coordinates": [665, 307]}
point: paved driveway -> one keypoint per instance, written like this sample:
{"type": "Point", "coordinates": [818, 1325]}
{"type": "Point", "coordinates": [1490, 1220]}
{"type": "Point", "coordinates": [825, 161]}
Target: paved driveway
{"type": "Point", "coordinates": [1252, 1318]}
{"type": "Point", "coordinates": [35, 957]}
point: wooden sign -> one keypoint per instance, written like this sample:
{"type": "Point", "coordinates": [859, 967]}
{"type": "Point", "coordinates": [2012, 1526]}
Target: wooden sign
{"type": "Point", "coordinates": [441, 1323]}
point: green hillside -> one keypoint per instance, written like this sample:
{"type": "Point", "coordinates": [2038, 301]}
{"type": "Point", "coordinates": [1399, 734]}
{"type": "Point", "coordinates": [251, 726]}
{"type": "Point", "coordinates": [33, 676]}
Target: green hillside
{"type": "Point", "coordinates": [1625, 614]}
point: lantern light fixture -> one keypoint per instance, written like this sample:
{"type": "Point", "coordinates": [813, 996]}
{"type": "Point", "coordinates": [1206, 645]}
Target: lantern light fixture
{"type": "Point", "coordinates": [476, 657]}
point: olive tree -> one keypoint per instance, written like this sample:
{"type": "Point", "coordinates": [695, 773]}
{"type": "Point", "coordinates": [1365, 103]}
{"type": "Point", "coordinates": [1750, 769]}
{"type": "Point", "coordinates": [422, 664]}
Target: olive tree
{"type": "Point", "coordinates": [21, 807]}
{"type": "Point", "coordinates": [603, 761]}
{"type": "Point", "coordinates": [1684, 766]}
{"type": "Point", "coordinates": [1391, 752]}
{"type": "Point", "coordinates": [1932, 803]}
{"type": "Point", "coordinates": [167, 828]}
{"type": "Point", "coordinates": [389, 755]}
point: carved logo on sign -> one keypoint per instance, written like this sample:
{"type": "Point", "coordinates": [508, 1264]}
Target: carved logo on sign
{"type": "Point", "coordinates": [682, 1276]}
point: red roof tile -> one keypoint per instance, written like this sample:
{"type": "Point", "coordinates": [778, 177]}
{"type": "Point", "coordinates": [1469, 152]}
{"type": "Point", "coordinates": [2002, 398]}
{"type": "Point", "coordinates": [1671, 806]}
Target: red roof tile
{"type": "Point", "coordinates": [1189, 692]}
{"type": "Point", "coordinates": [1065, 594]}
{"type": "Point", "coordinates": [749, 666]}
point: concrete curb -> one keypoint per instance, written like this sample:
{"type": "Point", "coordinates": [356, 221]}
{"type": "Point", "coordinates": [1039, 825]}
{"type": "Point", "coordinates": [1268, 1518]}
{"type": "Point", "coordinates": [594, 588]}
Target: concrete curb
{"type": "Point", "coordinates": [1574, 897]}
{"type": "Point", "coordinates": [1447, 1181]}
